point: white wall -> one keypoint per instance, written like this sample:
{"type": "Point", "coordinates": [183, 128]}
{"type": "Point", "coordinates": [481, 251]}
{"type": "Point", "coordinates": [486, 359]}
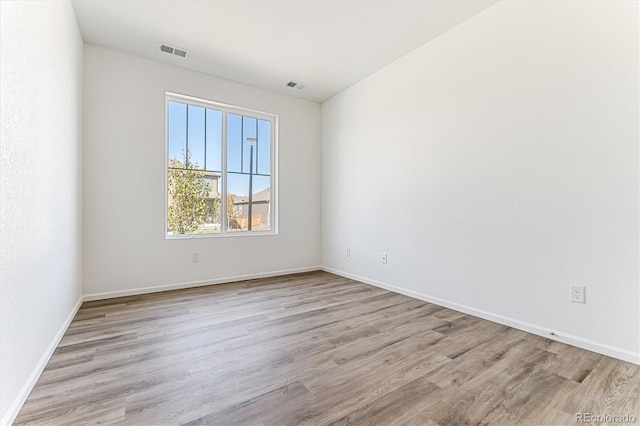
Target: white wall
{"type": "Point", "coordinates": [40, 190]}
{"type": "Point", "coordinates": [125, 248]}
{"type": "Point", "coordinates": [497, 165]}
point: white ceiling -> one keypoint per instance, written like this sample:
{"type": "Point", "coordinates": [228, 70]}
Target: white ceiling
{"type": "Point", "coordinates": [329, 45]}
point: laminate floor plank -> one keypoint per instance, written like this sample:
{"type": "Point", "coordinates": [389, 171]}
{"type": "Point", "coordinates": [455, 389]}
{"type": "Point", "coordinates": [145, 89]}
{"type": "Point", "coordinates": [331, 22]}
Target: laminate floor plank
{"type": "Point", "coordinates": [291, 402]}
{"type": "Point", "coordinates": [217, 387]}
{"type": "Point", "coordinates": [314, 349]}
{"type": "Point", "coordinates": [612, 388]}
{"type": "Point", "coordinates": [399, 406]}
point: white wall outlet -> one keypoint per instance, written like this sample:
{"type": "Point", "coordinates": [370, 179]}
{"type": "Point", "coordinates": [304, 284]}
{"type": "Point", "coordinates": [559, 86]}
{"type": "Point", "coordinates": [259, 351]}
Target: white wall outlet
{"type": "Point", "coordinates": [347, 253]}
{"type": "Point", "coordinates": [383, 258]}
{"type": "Point", "coordinates": [577, 293]}
{"type": "Point", "coordinates": [195, 256]}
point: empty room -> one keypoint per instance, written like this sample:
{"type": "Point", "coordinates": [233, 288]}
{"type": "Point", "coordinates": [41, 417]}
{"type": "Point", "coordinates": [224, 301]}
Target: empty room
{"type": "Point", "coordinates": [282, 212]}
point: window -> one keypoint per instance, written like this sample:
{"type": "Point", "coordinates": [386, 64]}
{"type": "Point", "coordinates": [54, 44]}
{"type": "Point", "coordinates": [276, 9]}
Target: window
{"type": "Point", "coordinates": [221, 169]}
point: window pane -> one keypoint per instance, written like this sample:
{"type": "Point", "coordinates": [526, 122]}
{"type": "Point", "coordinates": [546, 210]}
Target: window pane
{"type": "Point", "coordinates": [214, 207]}
{"type": "Point", "coordinates": [188, 195]}
{"type": "Point", "coordinates": [237, 202]}
{"type": "Point", "coordinates": [195, 141]}
{"type": "Point", "coordinates": [177, 132]}
{"type": "Point", "coordinates": [214, 140]}
{"type": "Point", "coordinates": [261, 203]}
{"type": "Point", "coordinates": [234, 143]}
{"type": "Point", "coordinates": [264, 148]}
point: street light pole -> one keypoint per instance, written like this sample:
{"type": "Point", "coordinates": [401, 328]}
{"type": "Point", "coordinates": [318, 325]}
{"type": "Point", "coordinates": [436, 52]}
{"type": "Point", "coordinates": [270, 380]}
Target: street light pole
{"type": "Point", "coordinates": [250, 224]}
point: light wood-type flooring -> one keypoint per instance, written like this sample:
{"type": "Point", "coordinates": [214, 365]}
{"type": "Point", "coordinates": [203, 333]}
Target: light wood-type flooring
{"type": "Point", "coordinates": [317, 349]}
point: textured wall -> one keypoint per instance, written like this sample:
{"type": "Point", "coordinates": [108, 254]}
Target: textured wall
{"type": "Point", "coordinates": [41, 189]}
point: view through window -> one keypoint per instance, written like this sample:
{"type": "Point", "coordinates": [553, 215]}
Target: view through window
{"type": "Point", "coordinates": [220, 168]}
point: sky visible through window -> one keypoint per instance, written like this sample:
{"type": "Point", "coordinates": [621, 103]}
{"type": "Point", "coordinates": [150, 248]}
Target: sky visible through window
{"type": "Point", "coordinates": [200, 129]}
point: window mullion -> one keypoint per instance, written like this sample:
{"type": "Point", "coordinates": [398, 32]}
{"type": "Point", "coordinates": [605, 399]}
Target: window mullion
{"type": "Point", "coordinates": [204, 166]}
{"type": "Point", "coordinates": [223, 203]}
{"type": "Point", "coordinates": [186, 139]}
{"type": "Point", "coordinates": [242, 143]}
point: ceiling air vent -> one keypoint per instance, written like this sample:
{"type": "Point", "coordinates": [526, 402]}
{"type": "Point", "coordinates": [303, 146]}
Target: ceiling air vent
{"type": "Point", "coordinates": [167, 49]}
{"type": "Point", "coordinates": [172, 50]}
{"type": "Point", "coordinates": [295, 85]}
{"type": "Point", "coordinates": [180, 52]}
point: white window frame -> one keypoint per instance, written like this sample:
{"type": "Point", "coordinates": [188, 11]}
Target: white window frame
{"type": "Point", "coordinates": [225, 109]}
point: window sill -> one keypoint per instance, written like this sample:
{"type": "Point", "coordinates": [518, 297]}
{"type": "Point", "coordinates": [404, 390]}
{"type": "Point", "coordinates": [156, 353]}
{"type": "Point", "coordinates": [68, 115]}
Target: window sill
{"type": "Point", "coordinates": [227, 235]}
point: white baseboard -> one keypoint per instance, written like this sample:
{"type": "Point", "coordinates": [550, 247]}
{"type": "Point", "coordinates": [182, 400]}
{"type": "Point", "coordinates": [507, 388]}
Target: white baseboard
{"type": "Point", "coordinates": [191, 284]}
{"type": "Point", "coordinates": [590, 345]}
{"type": "Point", "coordinates": [19, 401]}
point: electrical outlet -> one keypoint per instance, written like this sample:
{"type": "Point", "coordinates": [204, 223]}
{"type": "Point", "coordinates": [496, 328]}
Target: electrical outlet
{"type": "Point", "coordinates": [577, 293]}
{"type": "Point", "coordinates": [195, 256]}
{"type": "Point", "coordinates": [348, 252]}
{"type": "Point", "coordinates": [383, 258]}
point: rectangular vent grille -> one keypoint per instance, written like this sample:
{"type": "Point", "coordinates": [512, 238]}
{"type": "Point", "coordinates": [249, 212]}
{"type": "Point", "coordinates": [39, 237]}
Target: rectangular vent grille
{"type": "Point", "coordinates": [180, 52]}
{"type": "Point", "coordinates": [172, 50]}
{"type": "Point", "coordinates": [295, 85]}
